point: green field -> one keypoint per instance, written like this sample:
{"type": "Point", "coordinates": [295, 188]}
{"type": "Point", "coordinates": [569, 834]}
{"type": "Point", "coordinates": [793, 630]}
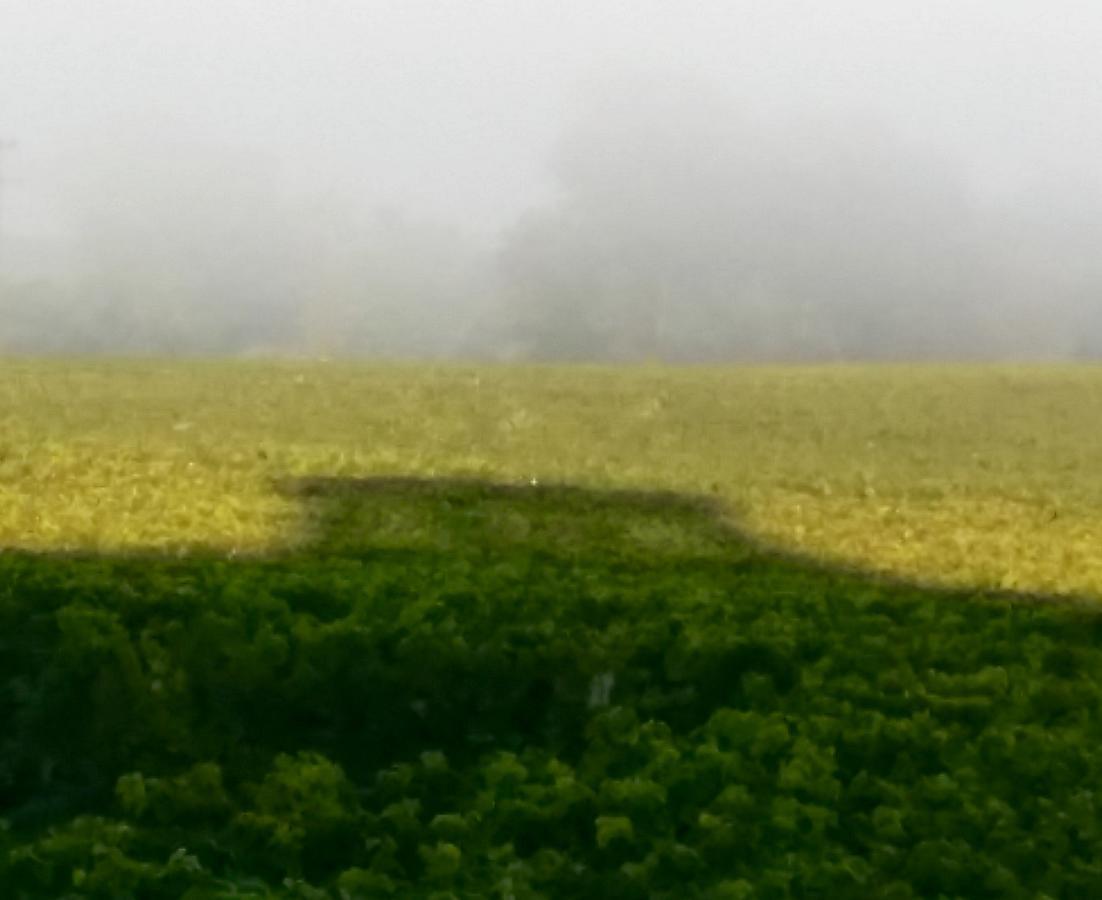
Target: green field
{"type": "Point", "coordinates": [964, 475]}
{"type": "Point", "coordinates": [319, 630]}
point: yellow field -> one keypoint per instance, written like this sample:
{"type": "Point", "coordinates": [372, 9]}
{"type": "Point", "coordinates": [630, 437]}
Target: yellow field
{"type": "Point", "coordinates": [981, 475]}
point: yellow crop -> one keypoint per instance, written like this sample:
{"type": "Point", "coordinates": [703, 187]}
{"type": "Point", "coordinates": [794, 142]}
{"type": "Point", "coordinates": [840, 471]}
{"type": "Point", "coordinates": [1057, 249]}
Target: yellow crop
{"type": "Point", "coordinates": [956, 474]}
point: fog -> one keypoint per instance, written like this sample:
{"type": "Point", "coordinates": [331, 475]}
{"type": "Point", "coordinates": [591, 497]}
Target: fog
{"type": "Point", "coordinates": [718, 182]}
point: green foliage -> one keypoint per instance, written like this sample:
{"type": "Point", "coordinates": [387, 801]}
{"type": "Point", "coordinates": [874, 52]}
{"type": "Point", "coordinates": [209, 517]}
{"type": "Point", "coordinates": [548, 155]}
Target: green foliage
{"type": "Point", "coordinates": [465, 691]}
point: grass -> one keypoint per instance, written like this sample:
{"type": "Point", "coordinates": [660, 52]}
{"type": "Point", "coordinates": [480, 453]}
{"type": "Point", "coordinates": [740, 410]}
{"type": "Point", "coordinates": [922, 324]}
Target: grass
{"type": "Point", "coordinates": [985, 476]}
{"type": "Point", "coordinates": [461, 689]}
{"type": "Point", "coordinates": [283, 629]}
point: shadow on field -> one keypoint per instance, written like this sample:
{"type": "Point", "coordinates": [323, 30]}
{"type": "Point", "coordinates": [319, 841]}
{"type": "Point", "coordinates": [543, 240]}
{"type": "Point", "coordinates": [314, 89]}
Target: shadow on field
{"type": "Point", "coordinates": [359, 515]}
{"type": "Point", "coordinates": [351, 515]}
{"type": "Point", "coordinates": [461, 620]}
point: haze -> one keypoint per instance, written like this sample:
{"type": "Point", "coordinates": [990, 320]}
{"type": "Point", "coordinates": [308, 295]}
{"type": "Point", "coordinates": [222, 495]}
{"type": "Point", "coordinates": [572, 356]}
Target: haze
{"type": "Point", "coordinates": [646, 180]}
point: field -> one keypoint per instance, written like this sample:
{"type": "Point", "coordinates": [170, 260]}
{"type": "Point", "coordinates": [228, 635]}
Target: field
{"type": "Point", "coordinates": [325, 631]}
{"type": "Point", "coordinates": [967, 476]}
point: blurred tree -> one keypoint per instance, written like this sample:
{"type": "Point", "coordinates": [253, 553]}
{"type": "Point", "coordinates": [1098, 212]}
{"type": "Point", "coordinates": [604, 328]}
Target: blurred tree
{"type": "Point", "coordinates": [684, 230]}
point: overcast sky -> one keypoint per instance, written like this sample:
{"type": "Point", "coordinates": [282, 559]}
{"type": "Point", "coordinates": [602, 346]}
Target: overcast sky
{"type": "Point", "coordinates": [449, 108]}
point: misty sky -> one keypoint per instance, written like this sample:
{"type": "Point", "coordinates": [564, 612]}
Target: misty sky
{"type": "Point", "coordinates": [575, 179]}
{"type": "Point", "coordinates": [448, 108]}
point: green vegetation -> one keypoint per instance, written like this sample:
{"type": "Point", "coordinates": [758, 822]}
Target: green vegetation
{"type": "Point", "coordinates": [973, 476]}
{"type": "Point", "coordinates": [465, 691]}
{"type": "Point", "coordinates": [241, 656]}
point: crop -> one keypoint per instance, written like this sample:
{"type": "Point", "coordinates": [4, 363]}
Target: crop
{"type": "Point", "coordinates": [970, 476]}
{"type": "Point", "coordinates": [256, 640]}
{"type": "Point", "coordinates": [454, 689]}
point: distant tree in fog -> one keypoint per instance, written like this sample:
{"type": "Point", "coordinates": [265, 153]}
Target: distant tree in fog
{"type": "Point", "coordinates": [683, 229]}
